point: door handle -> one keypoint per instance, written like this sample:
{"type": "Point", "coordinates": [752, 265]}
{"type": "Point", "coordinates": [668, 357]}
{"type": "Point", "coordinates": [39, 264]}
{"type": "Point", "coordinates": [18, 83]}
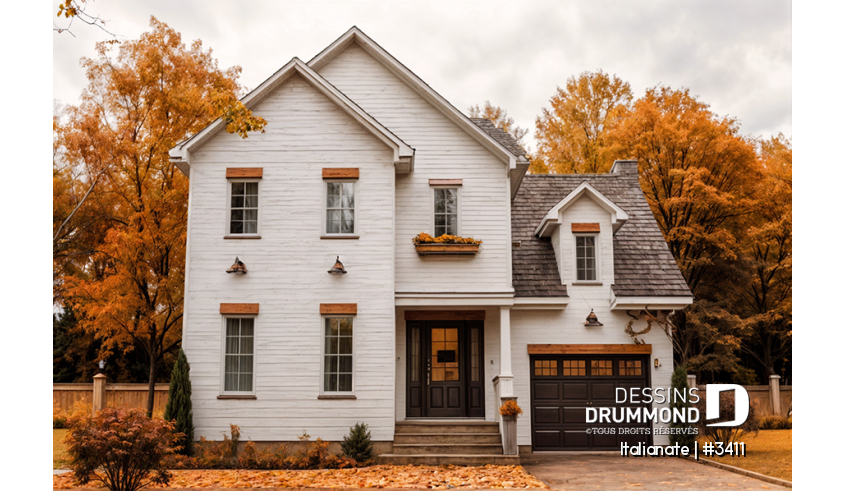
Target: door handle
{"type": "Point", "coordinates": [428, 372]}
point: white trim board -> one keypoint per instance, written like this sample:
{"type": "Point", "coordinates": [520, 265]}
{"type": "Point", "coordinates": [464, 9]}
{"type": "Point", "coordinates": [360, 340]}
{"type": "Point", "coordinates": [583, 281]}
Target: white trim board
{"type": "Point", "coordinates": [618, 216]}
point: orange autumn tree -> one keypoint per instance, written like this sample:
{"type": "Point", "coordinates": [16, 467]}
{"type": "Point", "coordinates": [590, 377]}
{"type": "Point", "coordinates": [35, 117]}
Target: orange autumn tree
{"type": "Point", "coordinates": [138, 104]}
{"type": "Point", "coordinates": [764, 296]}
{"type": "Point", "coordinates": [571, 134]}
{"type": "Point", "coordinates": [699, 176]}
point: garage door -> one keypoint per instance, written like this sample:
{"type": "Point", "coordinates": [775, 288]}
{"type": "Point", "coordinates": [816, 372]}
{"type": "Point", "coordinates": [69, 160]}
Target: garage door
{"type": "Point", "coordinates": [563, 386]}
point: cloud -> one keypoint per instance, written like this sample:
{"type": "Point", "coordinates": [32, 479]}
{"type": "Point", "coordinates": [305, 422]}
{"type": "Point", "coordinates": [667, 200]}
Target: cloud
{"type": "Point", "coordinates": [736, 56]}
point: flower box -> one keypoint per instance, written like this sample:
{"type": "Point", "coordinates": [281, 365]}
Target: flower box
{"type": "Point", "coordinates": [434, 249]}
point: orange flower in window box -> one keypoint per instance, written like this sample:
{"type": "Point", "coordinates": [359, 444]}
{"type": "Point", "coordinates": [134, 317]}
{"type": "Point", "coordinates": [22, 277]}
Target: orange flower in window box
{"type": "Point", "coordinates": [445, 245]}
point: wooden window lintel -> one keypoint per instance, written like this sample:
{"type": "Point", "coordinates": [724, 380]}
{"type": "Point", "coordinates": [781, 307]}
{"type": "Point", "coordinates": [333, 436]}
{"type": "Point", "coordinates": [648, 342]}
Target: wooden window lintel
{"type": "Point", "coordinates": [239, 308]}
{"type": "Point", "coordinates": [244, 172]}
{"type": "Point", "coordinates": [340, 173]}
{"type": "Point", "coordinates": [338, 308]}
{"type": "Point", "coordinates": [586, 228]}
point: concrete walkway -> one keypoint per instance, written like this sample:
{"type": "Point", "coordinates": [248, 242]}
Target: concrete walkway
{"type": "Point", "coordinates": [605, 471]}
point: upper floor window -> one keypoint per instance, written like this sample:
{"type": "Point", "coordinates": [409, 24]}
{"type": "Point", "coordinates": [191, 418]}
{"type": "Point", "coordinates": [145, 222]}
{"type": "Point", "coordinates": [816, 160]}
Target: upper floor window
{"type": "Point", "coordinates": [585, 258]}
{"type": "Point", "coordinates": [445, 211]}
{"type": "Point", "coordinates": [243, 207]}
{"type": "Point", "coordinates": [340, 208]}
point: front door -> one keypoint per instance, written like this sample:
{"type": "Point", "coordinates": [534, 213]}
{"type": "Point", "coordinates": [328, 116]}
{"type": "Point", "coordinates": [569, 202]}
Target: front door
{"type": "Point", "coordinates": [445, 369]}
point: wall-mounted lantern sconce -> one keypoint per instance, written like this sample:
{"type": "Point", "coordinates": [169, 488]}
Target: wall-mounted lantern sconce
{"type": "Point", "coordinates": [102, 365]}
{"type": "Point", "coordinates": [337, 268]}
{"type": "Point", "coordinates": [592, 320]}
{"type": "Point", "coordinates": [657, 363]}
{"type": "Point", "coordinates": [238, 268]}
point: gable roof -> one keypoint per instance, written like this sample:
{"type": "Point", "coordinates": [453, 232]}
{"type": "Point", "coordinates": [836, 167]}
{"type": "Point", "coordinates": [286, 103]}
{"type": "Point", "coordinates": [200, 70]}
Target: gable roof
{"type": "Point", "coordinates": [618, 217]}
{"type": "Point", "coordinates": [642, 263]}
{"type": "Point", "coordinates": [355, 35]}
{"type": "Point", "coordinates": [509, 142]}
{"type": "Point", "coordinates": [403, 154]}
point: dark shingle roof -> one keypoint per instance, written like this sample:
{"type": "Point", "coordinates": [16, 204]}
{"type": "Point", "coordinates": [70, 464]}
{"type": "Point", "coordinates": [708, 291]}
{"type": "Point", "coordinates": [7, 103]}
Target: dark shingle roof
{"type": "Point", "coordinates": [643, 265]}
{"type": "Point", "coordinates": [505, 139]}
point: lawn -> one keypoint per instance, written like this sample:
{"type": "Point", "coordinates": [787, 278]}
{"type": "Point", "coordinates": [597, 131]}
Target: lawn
{"type": "Point", "coordinates": [60, 455]}
{"type": "Point", "coordinates": [769, 453]}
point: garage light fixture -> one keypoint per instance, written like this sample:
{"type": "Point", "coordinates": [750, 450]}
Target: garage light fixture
{"type": "Point", "coordinates": [592, 320]}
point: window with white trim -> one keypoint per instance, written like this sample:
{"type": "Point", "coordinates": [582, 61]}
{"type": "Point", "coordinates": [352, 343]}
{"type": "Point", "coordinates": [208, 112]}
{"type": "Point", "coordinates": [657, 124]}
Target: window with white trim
{"type": "Point", "coordinates": [239, 355]}
{"type": "Point", "coordinates": [243, 207]}
{"type": "Point", "coordinates": [340, 208]}
{"type": "Point", "coordinates": [585, 258]}
{"type": "Point", "coordinates": [445, 211]}
{"type": "Point", "coordinates": [337, 355]}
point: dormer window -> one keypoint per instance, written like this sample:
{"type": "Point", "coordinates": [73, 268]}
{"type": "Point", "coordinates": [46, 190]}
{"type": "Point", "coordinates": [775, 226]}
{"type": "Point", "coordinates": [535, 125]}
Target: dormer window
{"type": "Point", "coordinates": [585, 258]}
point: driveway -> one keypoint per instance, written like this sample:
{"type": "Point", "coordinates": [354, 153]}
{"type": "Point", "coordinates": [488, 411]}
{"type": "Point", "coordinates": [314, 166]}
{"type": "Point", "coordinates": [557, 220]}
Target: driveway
{"type": "Point", "coordinates": [583, 471]}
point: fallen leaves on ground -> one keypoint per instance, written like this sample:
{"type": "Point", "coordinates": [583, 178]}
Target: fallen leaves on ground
{"type": "Point", "coordinates": [378, 476]}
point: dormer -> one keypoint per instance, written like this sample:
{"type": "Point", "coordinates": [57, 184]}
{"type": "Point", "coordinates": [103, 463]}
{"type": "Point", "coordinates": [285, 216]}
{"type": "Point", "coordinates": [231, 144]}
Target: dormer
{"type": "Point", "coordinates": [581, 228]}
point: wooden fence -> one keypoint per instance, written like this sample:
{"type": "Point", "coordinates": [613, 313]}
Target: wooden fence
{"type": "Point", "coordinates": [117, 395]}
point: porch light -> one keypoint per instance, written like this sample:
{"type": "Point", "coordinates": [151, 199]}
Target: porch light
{"type": "Point", "coordinates": [238, 268]}
{"type": "Point", "coordinates": [592, 320]}
{"type": "Point", "coordinates": [657, 363]}
{"type": "Point", "coordinates": [337, 268]}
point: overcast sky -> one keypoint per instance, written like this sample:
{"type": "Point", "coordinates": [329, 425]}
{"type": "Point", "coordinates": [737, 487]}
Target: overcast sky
{"type": "Point", "coordinates": [736, 56]}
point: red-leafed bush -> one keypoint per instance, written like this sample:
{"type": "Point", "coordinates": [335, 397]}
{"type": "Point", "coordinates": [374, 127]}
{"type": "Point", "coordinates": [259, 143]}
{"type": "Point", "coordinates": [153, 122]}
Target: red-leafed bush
{"type": "Point", "coordinates": [123, 449]}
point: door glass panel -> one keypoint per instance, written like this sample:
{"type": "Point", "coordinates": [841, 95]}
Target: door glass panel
{"type": "Point", "coordinates": [445, 358]}
{"type": "Point", "coordinates": [415, 354]}
{"type": "Point", "coordinates": [475, 363]}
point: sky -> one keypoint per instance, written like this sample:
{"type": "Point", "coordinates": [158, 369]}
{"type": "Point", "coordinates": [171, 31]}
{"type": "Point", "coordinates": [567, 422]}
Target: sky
{"type": "Point", "coordinates": [734, 56]}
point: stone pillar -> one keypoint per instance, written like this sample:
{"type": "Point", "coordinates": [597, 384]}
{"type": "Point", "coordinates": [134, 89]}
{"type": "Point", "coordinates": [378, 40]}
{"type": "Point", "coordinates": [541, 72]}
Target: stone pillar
{"type": "Point", "coordinates": [99, 397]}
{"type": "Point", "coordinates": [691, 382]}
{"type": "Point", "coordinates": [774, 394]}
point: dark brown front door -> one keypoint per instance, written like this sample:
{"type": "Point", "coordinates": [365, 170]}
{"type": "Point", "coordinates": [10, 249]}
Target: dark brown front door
{"type": "Point", "coordinates": [445, 369]}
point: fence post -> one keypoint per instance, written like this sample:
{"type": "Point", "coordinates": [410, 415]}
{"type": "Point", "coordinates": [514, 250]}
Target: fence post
{"type": "Point", "coordinates": [774, 394]}
{"type": "Point", "coordinates": [691, 381]}
{"type": "Point", "coordinates": [98, 401]}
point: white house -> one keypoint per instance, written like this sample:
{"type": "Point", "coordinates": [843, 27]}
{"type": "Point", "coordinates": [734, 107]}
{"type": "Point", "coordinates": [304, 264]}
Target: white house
{"type": "Point", "coordinates": [422, 344]}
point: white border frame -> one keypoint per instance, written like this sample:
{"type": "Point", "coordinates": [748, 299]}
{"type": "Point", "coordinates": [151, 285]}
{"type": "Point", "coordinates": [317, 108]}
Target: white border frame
{"type": "Point", "coordinates": [323, 318]}
{"type": "Point", "coordinates": [432, 204]}
{"type": "Point", "coordinates": [229, 182]}
{"type": "Point", "coordinates": [324, 205]}
{"type": "Point", "coordinates": [575, 280]}
{"type": "Point", "coordinates": [224, 317]}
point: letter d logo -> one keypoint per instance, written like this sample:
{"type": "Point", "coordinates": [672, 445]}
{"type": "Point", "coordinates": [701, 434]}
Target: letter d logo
{"type": "Point", "coordinates": [741, 403]}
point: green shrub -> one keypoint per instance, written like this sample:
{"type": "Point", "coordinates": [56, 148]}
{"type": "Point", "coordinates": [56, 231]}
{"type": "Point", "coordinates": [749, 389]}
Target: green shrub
{"type": "Point", "coordinates": [357, 445]}
{"type": "Point", "coordinates": [121, 448]}
{"type": "Point", "coordinates": [178, 408]}
{"type": "Point", "coordinates": [679, 382]}
{"type": "Point", "coordinates": [772, 422]}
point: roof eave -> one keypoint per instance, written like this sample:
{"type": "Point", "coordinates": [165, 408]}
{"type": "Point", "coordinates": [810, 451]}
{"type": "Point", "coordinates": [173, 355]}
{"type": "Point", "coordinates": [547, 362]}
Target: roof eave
{"type": "Point", "coordinates": [403, 154]}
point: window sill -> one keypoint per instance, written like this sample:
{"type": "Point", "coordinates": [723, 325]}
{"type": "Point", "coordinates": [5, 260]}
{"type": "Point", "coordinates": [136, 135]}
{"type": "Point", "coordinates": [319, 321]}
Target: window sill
{"type": "Point", "coordinates": [586, 283]}
{"type": "Point", "coordinates": [241, 236]}
{"type": "Point", "coordinates": [339, 237]}
{"type": "Point", "coordinates": [327, 396]}
{"type": "Point", "coordinates": [233, 396]}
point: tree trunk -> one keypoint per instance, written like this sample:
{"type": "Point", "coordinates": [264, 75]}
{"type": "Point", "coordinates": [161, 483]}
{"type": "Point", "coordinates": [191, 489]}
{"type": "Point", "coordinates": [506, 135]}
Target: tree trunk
{"type": "Point", "coordinates": [152, 391]}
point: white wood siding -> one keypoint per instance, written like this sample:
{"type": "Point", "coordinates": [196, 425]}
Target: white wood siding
{"type": "Point", "coordinates": [541, 327]}
{"type": "Point", "coordinates": [287, 273]}
{"type": "Point", "coordinates": [443, 151]}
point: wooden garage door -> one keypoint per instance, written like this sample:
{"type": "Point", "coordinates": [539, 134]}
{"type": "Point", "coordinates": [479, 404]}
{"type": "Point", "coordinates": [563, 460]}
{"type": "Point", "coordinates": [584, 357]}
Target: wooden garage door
{"type": "Point", "coordinates": [563, 386]}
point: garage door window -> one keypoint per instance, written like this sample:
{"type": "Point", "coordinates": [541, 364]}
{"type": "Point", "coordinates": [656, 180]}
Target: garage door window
{"type": "Point", "coordinates": [574, 368]}
{"type": "Point", "coordinates": [601, 367]}
{"type": "Point", "coordinates": [545, 368]}
{"type": "Point", "coordinates": [630, 367]}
